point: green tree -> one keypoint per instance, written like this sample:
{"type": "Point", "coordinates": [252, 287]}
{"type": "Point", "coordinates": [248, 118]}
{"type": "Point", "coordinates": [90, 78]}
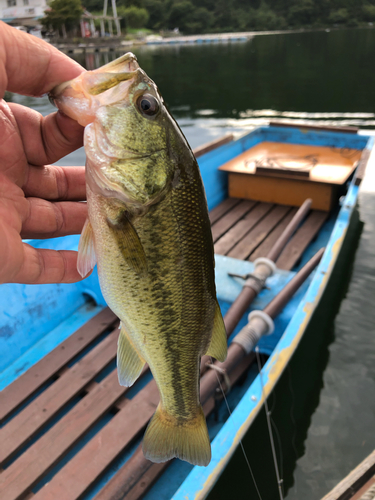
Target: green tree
{"type": "Point", "coordinates": [180, 12]}
{"type": "Point", "coordinates": [134, 17]}
{"type": "Point", "coordinates": [63, 12]}
{"type": "Point", "coordinates": [339, 16]}
{"type": "Point", "coordinates": [368, 13]}
{"type": "Point", "coordinates": [302, 12]}
{"type": "Point", "coordinates": [199, 21]}
{"type": "Point", "coordinates": [156, 10]}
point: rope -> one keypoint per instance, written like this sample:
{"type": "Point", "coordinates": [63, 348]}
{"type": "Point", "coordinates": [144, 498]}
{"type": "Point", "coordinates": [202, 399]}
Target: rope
{"type": "Point", "coordinates": [277, 162]}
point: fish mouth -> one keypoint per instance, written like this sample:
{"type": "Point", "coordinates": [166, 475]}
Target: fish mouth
{"type": "Point", "coordinates": [82, 97]}
{"type": "Point", "coordinates": [99, 80]}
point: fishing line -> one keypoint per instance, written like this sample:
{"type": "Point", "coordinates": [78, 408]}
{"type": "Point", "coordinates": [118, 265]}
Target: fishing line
{"type": "Point", "coordinates": [242, 446]}
{"type": "Point", "coordinates": [274, 399]}
{"type": "Point", "coordinates": [279, 480]}
{"type": "Point", "coordinates": [289, 372]}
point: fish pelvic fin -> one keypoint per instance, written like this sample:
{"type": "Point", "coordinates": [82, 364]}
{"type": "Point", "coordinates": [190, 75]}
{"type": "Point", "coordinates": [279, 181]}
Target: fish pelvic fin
{"type": "Point", "coordinates": [129, 243]}
{"type": "Point", "coordinates": [166, 438]}
{"type": "Point", "coordinates": [86, 251]}
{"type": "Point", "coordinates": [129, 363]}
{"type": "Point", "coordinates": [218, 345]}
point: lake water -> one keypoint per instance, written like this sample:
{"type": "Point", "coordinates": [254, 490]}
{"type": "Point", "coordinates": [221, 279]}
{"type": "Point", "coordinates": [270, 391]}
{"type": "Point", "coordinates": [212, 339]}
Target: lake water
{"type": "Point", "coordinates": [324, 406]}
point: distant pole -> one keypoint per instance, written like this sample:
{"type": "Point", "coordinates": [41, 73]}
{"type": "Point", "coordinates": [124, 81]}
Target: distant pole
{"type": "Point", "coordinates": [92, 27]}
{"type": "Point", "coordinates": [105, 7]}
{"type": "Point", "coordinates": [82, 23]}
{"type": "Point", "coordinates": [117, 22]}
{"type": "Point", "coordinates": [102, 29]}
{"type": "Point", "coordinates": [110, 27]}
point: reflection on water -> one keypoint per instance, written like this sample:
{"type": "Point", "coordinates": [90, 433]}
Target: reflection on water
{"type": "Point", "coordinates": [325, 405]}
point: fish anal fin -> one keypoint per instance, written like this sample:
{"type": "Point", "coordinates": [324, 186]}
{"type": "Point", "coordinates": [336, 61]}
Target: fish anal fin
{"type": "Point", "coordinates": [129, 243]}
{"type": "Point", "coordinates": [218, 345]}
{"type": "Point", "coordinates": [165, 438]}
{"type": "Point", "coordinates": [129, 362]}
{"type": "Point", "coordinates": [86, 250]}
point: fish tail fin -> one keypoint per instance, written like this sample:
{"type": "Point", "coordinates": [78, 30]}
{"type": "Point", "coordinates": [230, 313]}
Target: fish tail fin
{"type": "Point", "coordinates": [165, 438]}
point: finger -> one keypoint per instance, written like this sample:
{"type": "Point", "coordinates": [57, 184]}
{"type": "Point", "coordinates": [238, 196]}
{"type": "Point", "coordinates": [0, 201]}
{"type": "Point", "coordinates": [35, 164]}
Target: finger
{"type": "Point", "coordinates": [50, 220]}
{"type": "Point", "coordinates": [47, 266]}
{"type": "Point", "coordinates": [31, 66]}
{"type": "Point", "coordinates": [13, 162]}
{"type": "Point", "coordinates": [46, 139]}
{"type": "Point", "coordinates": [56, 183]}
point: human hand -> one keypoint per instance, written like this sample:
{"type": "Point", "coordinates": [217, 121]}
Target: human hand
{"type": "Point", "coordinates": [37, 200]}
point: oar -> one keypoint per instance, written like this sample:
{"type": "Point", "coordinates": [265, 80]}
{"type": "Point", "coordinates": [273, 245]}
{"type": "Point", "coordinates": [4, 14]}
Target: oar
{"type": "Point", "coordinates": [264, 268]}
{"type": "Point", "coordinates": [244, 342]}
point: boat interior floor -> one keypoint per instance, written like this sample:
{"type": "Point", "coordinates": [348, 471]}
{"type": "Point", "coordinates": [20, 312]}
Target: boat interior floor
{"type": "Point", "coordinates": [70, 431]}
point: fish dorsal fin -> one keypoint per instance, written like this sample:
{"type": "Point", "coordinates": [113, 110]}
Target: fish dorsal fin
{"type": "Point", "coordinates": [86, 250]}
{"type": "Point", "coordinates": [218, 345]}
{"type": "Point", "coordinates": [129, 243]}
{"type": "Point", "coordinates": [129, 362]}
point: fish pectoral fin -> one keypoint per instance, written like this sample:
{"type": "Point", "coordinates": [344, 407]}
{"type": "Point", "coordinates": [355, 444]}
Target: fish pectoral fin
{"type": "Point", "coordinates": [129, 243]}
{"type": "Point", "coordinates": [218, 345]}
{"type": "Point", "coordinates": [86, 250]}
{"type": "Point", "coordinates": [129, 362]}
{"type": "Point", "coordinates": [166, 438]}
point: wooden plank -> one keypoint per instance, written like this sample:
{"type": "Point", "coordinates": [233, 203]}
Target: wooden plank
{"type": "Point", "coordinates": [229, 219]}
{"type": "Point", "coordinates": [127, 485]}
{"type": "Point", "coordinates": [355, 480]}
{"type": "Point", "coordinates": [301, 240]}
{"type": "Point", "coordinates": [221, 209]}
{"type": "Point", "coordinates": [368, 489]}
{"type": "Point", "coordinates": [37, 460]}
{"type": "Point", "coordinates": [302, 127]}
{"type": "Point", "coordinates": [241, 228]}
{"type": "Point", "coordinates": [265, 247]}
{"type": "Point", "coordinates": [210, 146]}
{"type": "Point", "coordinates": [39, 412]}
{"type": "Point", "coordinates": [27, 384]}
{"type": "Point", "coordinates": [82, 471]}
{"type": "Point", "coordinates": [255, 237]}
{"type": "Point", "coordinates": [291, 192]}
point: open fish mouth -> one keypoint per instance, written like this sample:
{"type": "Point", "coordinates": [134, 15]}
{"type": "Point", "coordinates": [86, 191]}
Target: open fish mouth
{"type": "Point", "coordinates": [82, 97]}
{"type": "Point", "coordinates": [102, 79]}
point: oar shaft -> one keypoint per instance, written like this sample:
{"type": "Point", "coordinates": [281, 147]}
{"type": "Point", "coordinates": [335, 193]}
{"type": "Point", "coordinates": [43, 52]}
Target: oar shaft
{"type": "Point", "coordinates": [209, 382]}
{"type": "Point", "coordinates": [282, 298]}
{"type": "Point", "coordinates": [289, 230]}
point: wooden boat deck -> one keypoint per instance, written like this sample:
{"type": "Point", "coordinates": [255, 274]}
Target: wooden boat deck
{"type": "Point", "coordinates": [66, 420]}
{"type": "Point", "coordinates": [246, 230]}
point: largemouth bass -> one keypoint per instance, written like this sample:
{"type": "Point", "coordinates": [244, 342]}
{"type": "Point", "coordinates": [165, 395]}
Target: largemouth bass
{"type": "Point", "coordinates": [149, 233]}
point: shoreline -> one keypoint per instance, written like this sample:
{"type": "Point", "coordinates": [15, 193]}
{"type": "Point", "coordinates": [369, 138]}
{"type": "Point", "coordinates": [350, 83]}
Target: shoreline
{"type": "Point", "coordinates": [111, 44]}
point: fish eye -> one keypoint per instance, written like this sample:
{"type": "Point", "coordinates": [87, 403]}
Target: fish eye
{"type": "Point", "coordinates": [148, 105]}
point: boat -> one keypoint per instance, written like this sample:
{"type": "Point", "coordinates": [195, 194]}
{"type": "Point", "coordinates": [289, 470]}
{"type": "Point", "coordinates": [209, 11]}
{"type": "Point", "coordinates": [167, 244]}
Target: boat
{"type": "Point", "coordinates": [358, 485]}
{"type": "Point", "coordinates": [69, 431]}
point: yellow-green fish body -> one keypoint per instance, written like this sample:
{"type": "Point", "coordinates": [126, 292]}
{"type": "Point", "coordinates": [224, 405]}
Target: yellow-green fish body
{"type": "Point", "coordinates": [149, 232]}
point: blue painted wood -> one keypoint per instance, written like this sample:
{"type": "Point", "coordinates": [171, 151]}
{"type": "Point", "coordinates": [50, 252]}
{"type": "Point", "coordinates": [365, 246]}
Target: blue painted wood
{"type": "Point", "coordinates": [48, 342]}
